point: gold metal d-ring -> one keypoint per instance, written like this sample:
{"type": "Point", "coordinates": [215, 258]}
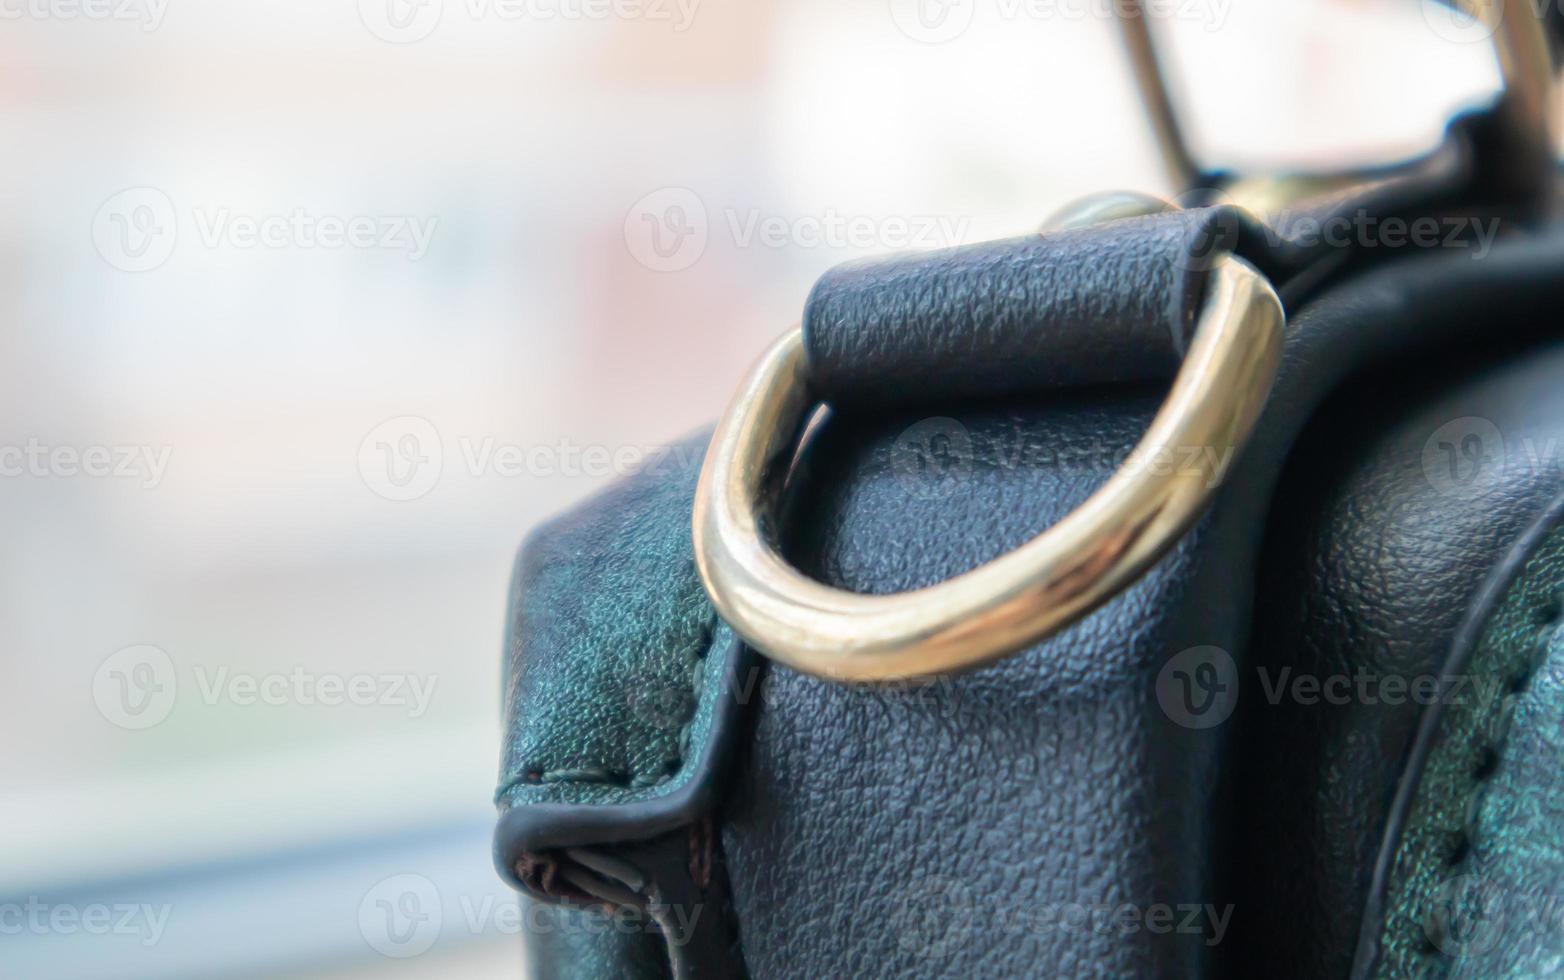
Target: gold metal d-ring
{"type": "Point", "coordinates": [1520, 42]}
{"type": "Point", "coordinates": [1018, 598]}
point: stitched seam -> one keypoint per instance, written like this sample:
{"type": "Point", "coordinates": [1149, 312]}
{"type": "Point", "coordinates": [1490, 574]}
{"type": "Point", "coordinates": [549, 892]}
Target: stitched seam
{"type": "Point", "coordinates": [1551, 614]}
{"type": "Point", "coordinates": [605, 776]}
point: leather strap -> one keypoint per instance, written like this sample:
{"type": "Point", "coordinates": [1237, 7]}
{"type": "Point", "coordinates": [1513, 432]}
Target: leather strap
{"type": "Point", "coordinates": [1109, 303]}
{"type": "Point", "coordinates": [1116, 302]}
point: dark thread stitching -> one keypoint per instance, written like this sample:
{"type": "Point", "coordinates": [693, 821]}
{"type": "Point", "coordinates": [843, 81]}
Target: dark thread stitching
{"type": "Point", "coordinates": [629, 780]}
{"type": "Point", "coordinates": [1548, 616]}
{"type": "Point", "coordinates": [1487, 764]}
{"type": "Point", "coordinates": [1462, 848]}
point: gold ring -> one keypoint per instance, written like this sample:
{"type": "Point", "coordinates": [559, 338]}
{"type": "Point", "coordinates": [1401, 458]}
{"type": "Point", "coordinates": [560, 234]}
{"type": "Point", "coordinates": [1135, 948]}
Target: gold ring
{"type": "Point", "coordinates": [1520, 44]}
{"type": "Point", "coordinates": [1019, 598]}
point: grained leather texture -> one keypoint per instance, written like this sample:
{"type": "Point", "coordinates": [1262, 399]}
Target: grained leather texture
{"type": "Point", "coordinates": [950, 831]}
{"type": "Point", "coordinates": [622, 688]}
{"type": "Point", "coordinates": [1114, 302]}
{"type": "Point", "coordinates": [1383, 550]}
{"type": "Point", "coordinates": [601, 671]}
{"type": "Point", "coordinates": [961, 828]}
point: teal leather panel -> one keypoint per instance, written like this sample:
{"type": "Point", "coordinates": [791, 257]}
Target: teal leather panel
{"type": "Point", "coordinates": [623, 693]}
{"type": "Point", "coordinates": [615, 657]}
{"type": "Point", "coordinates": [1440, 905]}
{"type": "Point", "coordinates": [1514, 883]}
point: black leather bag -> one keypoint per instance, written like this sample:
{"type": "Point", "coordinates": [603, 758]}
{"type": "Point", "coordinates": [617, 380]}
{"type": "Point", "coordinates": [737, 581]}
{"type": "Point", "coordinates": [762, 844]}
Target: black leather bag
{"type": "Point", "coordinates": [1291, 705]}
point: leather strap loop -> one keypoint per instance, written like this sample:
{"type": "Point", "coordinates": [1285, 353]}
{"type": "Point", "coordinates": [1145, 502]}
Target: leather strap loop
{"type": "Point", "coordinates": [1115, 302]}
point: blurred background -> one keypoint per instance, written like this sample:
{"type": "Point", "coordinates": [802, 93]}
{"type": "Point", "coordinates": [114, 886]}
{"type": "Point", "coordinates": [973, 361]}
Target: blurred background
{"type": "Point", "coordinates": [313, 307]}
